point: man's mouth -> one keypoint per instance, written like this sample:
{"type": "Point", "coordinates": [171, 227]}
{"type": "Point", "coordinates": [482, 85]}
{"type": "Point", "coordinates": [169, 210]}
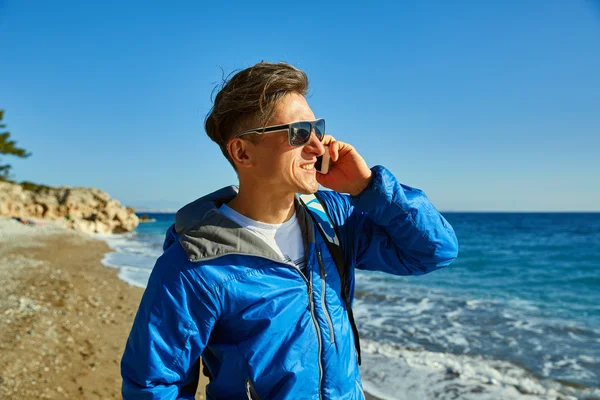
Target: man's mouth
{"type": "Point", "coordinates": [308, 167]}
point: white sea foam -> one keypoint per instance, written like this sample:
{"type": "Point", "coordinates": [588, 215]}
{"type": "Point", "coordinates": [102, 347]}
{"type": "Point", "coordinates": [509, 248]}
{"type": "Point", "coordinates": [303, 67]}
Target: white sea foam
{"type": "Point", "coordinates": [135, 276]}
{"type": "Point", "coordinates": [393, 372]}
{"type": "Point", "coordinates": [133, 257]}
{"type": "Point", "coordinates": [435, 322]}
{"type": "Point", "coordinates": [588, 359]}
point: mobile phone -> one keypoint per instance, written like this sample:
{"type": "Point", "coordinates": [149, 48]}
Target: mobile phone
{"type": "Point", "coordinates": [322, 164]}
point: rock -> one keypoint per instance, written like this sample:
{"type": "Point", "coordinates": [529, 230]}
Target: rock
{"type": "Point", "coordinates": [84, 225]}
{"type": "Point", "coordinates": [87, 210]}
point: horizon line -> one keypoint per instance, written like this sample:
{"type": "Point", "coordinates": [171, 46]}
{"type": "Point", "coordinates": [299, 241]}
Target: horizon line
{"type": "Point", "coordinates": [173, 211]}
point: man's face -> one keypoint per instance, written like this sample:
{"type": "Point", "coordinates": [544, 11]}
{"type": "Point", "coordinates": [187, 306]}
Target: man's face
{"type": "Point", "coordinates": [283, 167]}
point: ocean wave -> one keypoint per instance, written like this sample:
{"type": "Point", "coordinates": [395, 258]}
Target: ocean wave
{"type": "Point", "coordinates": [134, 255]}
{"type": "Point", "coordinates": [517, 331]}
{"type": "Point", "coordinates": [394, 372]}
{"type": "Point", "coordinates": [135, 276]}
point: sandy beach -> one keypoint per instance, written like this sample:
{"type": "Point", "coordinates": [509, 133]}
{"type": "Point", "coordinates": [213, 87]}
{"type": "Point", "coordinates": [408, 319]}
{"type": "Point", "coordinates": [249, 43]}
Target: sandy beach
{"type": "Point", "coordinates": [64, 317]}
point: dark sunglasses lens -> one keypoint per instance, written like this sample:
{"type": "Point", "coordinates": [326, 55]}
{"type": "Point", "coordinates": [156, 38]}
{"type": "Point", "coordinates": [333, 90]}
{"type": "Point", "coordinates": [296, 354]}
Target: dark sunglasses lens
{"type": "Point", "coordinates": [300, 133]}
{"type": "Point", "coordinates": [320, 129]}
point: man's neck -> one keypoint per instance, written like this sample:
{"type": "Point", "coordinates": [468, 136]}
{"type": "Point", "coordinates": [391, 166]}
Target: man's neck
{"type": "Point", "coordinates": [267, 207]}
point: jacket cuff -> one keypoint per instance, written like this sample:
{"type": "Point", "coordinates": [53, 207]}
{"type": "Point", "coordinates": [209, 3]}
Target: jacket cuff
{"type": "Point", "coordinates": [381, 188]}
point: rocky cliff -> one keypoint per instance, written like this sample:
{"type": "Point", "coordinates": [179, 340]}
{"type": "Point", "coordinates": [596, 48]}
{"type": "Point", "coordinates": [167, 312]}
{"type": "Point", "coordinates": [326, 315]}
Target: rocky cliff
{"type": "Point", "coordinates": [84, 209]}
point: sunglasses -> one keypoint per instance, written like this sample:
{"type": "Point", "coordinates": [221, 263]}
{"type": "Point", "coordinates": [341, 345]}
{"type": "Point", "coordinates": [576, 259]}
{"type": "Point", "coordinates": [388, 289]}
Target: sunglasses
{"type": "Point", "coordinates": [298, 132]}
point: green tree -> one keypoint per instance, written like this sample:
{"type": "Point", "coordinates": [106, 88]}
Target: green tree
{"type": "Point", "coordinates": [8, 147]}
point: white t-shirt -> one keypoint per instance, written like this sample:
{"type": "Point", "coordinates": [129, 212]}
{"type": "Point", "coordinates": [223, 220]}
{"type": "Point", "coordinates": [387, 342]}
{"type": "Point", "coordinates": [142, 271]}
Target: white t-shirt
{"type": "Point", "coordinates": [285, 239]}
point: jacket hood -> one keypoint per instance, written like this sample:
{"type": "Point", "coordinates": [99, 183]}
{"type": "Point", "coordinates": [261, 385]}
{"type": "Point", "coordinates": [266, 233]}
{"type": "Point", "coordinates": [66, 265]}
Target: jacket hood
{"type": "Point", "coordinates": [205, 233]}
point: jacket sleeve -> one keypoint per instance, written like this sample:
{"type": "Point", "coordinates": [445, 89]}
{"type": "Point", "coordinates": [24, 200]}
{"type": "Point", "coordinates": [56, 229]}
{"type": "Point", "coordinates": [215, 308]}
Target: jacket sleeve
{"type": "Point", "coordinates": [392, 228]}
{"type": "Point", "coordinates": [171, 329]}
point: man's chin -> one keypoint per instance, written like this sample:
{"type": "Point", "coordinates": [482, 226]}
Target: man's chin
{"type": "Point", "coordinates": [305, 191]}
{"type": "Point", "coordinates": [309, 189]}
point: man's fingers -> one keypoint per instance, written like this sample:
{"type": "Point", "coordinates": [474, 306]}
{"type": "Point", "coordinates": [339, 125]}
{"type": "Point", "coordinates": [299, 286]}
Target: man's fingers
{"type": "Point", "coordinates": [334, 147]}
{"type": "Point", "coordinates": [334, 151]}
{"type": "Point", "coordinates": [327, 139]}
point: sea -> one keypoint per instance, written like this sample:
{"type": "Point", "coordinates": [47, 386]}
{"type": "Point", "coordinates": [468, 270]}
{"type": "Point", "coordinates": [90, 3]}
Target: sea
{"type": "Point", "coordinates": [515, 316]}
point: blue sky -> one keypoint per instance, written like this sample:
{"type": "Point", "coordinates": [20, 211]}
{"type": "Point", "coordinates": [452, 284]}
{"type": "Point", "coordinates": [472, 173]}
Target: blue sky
{"type": "Point", "coordinates": [484, 105]}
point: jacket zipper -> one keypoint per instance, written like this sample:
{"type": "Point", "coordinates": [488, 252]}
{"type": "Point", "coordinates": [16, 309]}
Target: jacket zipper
{"type": "Point", "coordinates": [314, 318]}
{"type": "Point", "coordinates": [312, 310]}
{"type": "Point", "coordinates": [323, 301]}
{"type": "Point", "coordinates": [250, 391]}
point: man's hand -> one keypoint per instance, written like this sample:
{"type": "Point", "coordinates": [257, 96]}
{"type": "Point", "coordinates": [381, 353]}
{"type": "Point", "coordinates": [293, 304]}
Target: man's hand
{"type": "Point", "coordinates": [348, 171]}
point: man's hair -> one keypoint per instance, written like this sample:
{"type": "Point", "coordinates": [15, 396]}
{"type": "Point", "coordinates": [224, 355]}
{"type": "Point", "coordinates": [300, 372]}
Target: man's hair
{"type": "Point", "coordinates": [249, 98]}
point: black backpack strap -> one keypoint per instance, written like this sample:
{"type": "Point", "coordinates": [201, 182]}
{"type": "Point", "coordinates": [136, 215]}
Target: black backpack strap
{"type": "Point", "coordinates": [318, 212]}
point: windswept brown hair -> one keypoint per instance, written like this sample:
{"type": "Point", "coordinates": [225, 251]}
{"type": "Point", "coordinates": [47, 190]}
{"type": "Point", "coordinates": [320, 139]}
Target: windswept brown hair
{"type": "Point", "coordinates": [249, 98]}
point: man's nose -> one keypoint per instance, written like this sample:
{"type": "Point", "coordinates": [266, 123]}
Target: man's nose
{"type": "Point", "coordinates": [314, 145]}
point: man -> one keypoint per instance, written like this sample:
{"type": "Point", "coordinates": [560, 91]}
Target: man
{"type": "Point", "coordinates": [246, 279]}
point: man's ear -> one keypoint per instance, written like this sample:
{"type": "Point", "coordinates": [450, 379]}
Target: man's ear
{"type": "Point", "coordinates": [241, 152]}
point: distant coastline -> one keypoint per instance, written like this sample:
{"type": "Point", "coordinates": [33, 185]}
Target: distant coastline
{"type": "Point", "coordinates": [142, 210]}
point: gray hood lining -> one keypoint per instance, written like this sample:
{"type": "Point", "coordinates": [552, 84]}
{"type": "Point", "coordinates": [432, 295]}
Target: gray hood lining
{"type": "Point", "coordinates": [205, 233]}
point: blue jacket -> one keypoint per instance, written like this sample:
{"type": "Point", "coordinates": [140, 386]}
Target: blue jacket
{"type": "Point", "coordinates": [266, 330]}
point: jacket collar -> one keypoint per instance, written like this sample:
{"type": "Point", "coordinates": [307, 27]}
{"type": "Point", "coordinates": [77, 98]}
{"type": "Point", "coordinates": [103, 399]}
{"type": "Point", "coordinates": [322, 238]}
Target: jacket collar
{"type": "Point", "coordinates": [205, 233]}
